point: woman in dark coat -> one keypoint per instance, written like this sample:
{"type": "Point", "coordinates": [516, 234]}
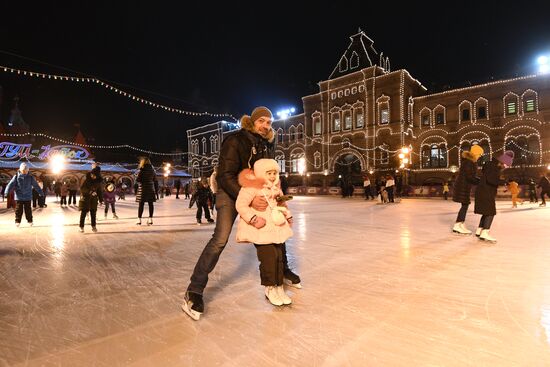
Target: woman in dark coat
{"type": "Point", "coordinates": [90, 194]}
{"type": "Point", "coordinates": [486, 193]}
{"type": "Point", "coordinates": [467, 176]}
{"type": "Point", "coordinates": [147, 188]}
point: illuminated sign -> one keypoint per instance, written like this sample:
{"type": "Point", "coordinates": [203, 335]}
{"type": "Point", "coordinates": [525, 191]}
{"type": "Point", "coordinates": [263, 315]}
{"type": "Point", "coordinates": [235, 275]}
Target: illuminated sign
{"type": "Point", "coordinates": [10, 150]}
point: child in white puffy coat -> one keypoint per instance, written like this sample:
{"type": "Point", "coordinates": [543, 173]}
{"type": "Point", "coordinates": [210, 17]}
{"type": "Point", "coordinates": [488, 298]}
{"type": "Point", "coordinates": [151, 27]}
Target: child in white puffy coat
{"type": "Point", "coordinates": [268, 230]}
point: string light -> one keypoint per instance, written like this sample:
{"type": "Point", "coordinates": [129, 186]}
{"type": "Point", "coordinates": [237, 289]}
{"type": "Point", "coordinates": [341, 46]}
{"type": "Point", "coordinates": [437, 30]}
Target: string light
{"type": "Point", "coordinates": [121, 146]}
{"type": "Point", "coordinates": [114, 89]}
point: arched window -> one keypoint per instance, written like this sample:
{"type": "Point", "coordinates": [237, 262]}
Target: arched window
{"type": "Point", "coordinates": [336, 121]}
{"type": "Point", "coordinates": [300, 133]}
{"type": "Point", "coordinates": [317, 125]}
{"type": "Point", "coordinates": [384, 154]}
{"type": "Point", "coordinates": [317, 159]}
{"type": "Point", "coordinates": [526, 149]}
{"type": "Point", "coordinates": [434, 155]}
{"type": "Point", "coordinates": [204, 146]}
{"type": "Point", "coordinates": [280, 136]}
{"type": "Point", "coordinates": [292, 134]}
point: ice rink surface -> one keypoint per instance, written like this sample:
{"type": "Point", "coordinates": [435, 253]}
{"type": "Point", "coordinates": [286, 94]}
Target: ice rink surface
{"type": "Point", "coordinates": [383, 285]}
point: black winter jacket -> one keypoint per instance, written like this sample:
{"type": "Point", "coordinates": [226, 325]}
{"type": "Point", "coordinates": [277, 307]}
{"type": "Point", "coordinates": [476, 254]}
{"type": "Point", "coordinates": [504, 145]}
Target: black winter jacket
{"type": "Point", "coordinates": [486, 191]}
{"type": "Point", "coordinates": [544, 184]}
{"type": "Point", "coordinates": [90, 193]}
{"type": "Point", "coordinates": [147, 184]}
{"type": "Point", "coordinates": [467, 176]}
{"type": "Point", "coordinates": [240, 150]}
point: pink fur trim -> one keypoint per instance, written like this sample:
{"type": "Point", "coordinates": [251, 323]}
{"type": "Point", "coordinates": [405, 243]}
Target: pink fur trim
{"type": "Point", "coordinates": [247, 179]}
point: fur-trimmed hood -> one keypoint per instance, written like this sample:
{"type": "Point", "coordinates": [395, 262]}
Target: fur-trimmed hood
{"type": "Point", "coordinates": [469, 156]}
{"type": "Point", "coordinates": [257, 178]}
{"type": "Point", "coordinates": [248, 124]}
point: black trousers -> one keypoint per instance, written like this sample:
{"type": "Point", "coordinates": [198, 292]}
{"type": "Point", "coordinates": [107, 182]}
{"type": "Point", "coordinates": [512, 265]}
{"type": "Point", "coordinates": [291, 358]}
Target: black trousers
{"type": "Point", "coordinates": [142, 206]}
{"type": "Point", "coordinates": [19, 206]}
{"type": "Point", "coordinates": [271, 263]}
{"type": "Point", "coordinates": [64, 200]}
{"type": "Point", "coordinates": [72, 196]}
{"type": "Point", "coordinates": [542, 196]}
{"type": "Point", "coordinates": [200, 208]}
{"type": "Point", "coordinates": [93, 215]}
{"type": "Point", "coordinates": [107, 208]}
{"type": "Point", "coordinates": [486, 221]}
{"type": "Point", "coordinates": [461, 217]}
{"type": "Point", "coordinates": [390, 190]}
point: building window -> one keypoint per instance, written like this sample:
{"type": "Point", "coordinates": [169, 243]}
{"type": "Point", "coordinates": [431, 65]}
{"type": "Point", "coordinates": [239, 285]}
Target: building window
{"type": "Point", "coordinates": [359, 122]}
{"type": "Point", "coordinates": [434, 156]}
{"type": "Point", "coordinates": [347, 120]}
{"type": "Point", "coordinates": [384, 116]}
{"type": "Point", "coordinates": [384, 154]}
{"type": "Point", "coordinates": [335, 122]}
{"type": "Point", "coordinates": [361, 88]}
{"type": "Point", "coordinates": [333, 95]}
{"type": "Point", "coordinates": [317, 126]}
{"type": "Point", "coordinates": [481, 112]}
{"type": "Point", "coordinates": [346, 92]}
{"type": "Point", "coordinates": [340, 94]}
{"type": "Point", "coordinates": [300, 133]}
{"type": "Point", "coordinates": [317, 159]}
{"type": "Point", "coordinates": [292, 134]}
{"type": "Point", "coordinates": [280, 136]}
{"type": "Point", "coordinates": [529, 105]}
{"type": "Point", "coordinates": [204, 146]}
{"type": "Point", "coordinates": [511, 108]}
{"type": "Point", "coordinates": [353, 90]}
{"type": "Point", "coordinates": [465, 114]}
{"type": "Point", "coordinates": [426, 120]}
{"type": "Point", "coordinates": [281, 165]}
{"type": "Point", "coordinates": [439, 118]}
{"type": "Point", "coordinates": [294, 166]}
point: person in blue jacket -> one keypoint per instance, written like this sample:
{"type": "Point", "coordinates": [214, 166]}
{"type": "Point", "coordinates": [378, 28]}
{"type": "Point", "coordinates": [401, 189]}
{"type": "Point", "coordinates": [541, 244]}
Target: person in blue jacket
{"type": "Point", "coordinates": [23, 183]}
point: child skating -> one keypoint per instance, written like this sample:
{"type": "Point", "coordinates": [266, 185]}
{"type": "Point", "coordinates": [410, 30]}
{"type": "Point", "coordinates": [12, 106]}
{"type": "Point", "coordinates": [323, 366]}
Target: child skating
{"type": "Point", "coordinates": [268, 230]}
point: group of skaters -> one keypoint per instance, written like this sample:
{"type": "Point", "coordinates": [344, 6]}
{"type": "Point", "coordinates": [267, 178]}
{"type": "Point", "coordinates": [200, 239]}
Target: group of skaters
{"type": "Point", "coordinates": [386, 187]}
{"type": "Point", "coordinates": [486, 190]}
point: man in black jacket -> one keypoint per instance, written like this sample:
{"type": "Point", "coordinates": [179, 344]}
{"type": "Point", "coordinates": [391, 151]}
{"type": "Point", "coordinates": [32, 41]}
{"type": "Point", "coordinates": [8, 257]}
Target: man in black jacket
{"type": "Point", "coordinates": [239, 151]}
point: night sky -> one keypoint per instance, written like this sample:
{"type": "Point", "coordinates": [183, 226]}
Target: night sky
{"type": "Point", "coordinates": [232, 56]}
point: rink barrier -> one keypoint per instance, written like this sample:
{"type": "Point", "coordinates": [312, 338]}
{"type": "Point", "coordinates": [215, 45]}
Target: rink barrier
{"type": "Point", "coordinates": [410, 191]}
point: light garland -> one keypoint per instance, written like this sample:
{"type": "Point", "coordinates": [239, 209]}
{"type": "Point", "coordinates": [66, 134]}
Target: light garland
{"type": "Point", "coordinates": [121, 146]}
{"type": "Point", "coordinates": [112, 88]}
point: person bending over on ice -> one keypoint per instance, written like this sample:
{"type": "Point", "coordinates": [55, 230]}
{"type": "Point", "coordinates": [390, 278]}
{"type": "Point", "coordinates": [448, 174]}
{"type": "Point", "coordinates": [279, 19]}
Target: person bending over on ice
{"type": "Point", "coordinates": [486, 193]}
{"type": "Point", "coordinates": [467, 176]}
{"type": "Point", "coordinates": [268, 229]}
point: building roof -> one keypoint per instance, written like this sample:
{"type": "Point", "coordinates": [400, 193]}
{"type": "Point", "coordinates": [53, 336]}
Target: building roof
{"type": "Point", "coordinates": [360, 54]}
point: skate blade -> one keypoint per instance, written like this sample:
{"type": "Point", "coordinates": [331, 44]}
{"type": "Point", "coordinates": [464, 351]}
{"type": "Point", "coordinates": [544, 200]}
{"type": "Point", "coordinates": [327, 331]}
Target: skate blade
{"type": "Point", "coordinates": [192, 313]}
{"type": "Point", "coordinates": [289, 283]}
{"type": "Point", "coordinates": [461, 233]}
{"type": "Point", "coordinates": [488, 241]}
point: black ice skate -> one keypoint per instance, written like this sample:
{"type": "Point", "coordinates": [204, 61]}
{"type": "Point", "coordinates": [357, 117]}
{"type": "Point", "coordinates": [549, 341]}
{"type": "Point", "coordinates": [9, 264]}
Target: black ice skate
{"type": "Point", "coordinates": [193, 305]}
{"type": "Point", "coordinates": [292, 279]}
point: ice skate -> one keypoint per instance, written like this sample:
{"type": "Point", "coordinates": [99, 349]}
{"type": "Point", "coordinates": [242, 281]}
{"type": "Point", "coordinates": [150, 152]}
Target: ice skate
{"type": "Point", "coordinates": [210, 220]}
{"type": "Point", "coordinates": [81, 229]}
{"type": "Point", "coordinates": [115, 216]}
{"type": "Point", "coordinates": [292, 279]}
{"type": "Point", "coordinates": [283, 296]}
{"type": "Point", "coordinates": [485, 236]}
{"type": "Point", "coordinates": [478, 231]}
{"type": "Point", "coordinates": [17, 224]}
{"type": "Point", "coordinates": [30, 224]}
{"type": "Point", "coordinates": [272, 295]}
{"type": "Point", "coordinates": [193, 305]}
{"type": "Point", "coordinates": [139, 222]}
{"type": "Point", "coordinates": [150, 221]}
{"type": "Point", "coordinates": [460, 229]}
{"type": "Point", "coordinates": [94, 229]}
